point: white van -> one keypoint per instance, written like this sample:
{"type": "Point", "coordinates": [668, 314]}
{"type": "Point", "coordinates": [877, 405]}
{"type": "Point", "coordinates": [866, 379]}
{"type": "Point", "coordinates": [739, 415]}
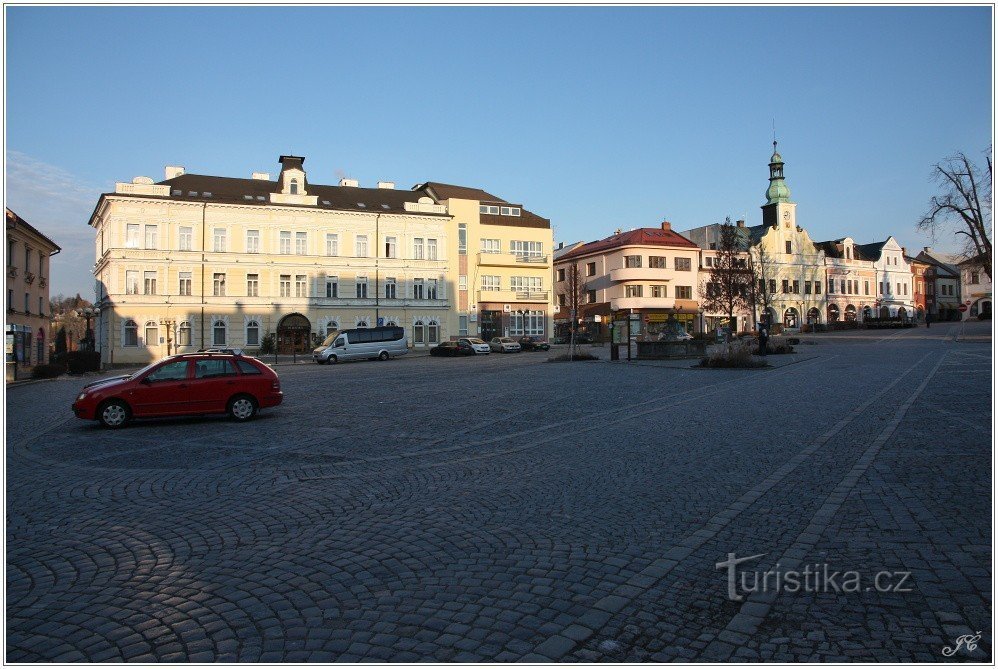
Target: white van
{"type": "Point", "coordinates": [378, 343]}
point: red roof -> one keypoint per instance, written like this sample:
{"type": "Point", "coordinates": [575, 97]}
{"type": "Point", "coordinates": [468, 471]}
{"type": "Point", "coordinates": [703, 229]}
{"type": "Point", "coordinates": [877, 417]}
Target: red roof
{"type": "Point", "coordinates": [639, 237]}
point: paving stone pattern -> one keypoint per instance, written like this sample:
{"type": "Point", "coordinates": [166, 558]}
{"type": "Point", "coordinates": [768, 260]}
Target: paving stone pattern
{"type": "Point", "coordinates": [504, 509]}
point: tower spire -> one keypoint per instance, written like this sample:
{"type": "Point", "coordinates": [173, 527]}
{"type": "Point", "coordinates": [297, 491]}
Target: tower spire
{"type": "Point", "coordinates": [778, 190]}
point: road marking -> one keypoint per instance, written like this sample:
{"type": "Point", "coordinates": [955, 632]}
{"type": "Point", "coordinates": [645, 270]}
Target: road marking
{"type": "Point", "coordinates": [660, 568]}
{"type": "Point", "coordinates": [757, 606]}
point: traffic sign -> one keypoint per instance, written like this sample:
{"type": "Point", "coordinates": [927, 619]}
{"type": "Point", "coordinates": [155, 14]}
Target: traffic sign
{"type": "Point", "coordinates": [963, 307]}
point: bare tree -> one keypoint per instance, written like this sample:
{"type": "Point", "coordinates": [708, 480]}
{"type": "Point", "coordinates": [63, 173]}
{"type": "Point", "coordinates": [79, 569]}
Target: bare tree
{"type": "Point", "coordinates": [964, 203]}
{"type": "Point", "coordinates": [575, 297]}
{"type": "Point", "coordinates": [728, 288]}
{"type": "Point", "coordinates": [763, 273]}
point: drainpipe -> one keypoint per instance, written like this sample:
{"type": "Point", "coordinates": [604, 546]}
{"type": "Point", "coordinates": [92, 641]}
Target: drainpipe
{"type": "Point", "coordinates": [377, 276]}
{"type": "Point", "coordinates": [204, 205]}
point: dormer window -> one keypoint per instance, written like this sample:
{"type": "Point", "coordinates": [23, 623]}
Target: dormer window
{"type": "Point", "coordinates": [294, 186]}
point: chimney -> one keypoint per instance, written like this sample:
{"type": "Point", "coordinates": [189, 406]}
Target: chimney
{"type": "Point", "coordinates": [261, 176]}
{"type": "Point", "coordinates": [927, 249]}
{"type": "Point", "coordinates": [904, 252]}
{"type": "Point", "coordinates": [667, 226]}
{"type": "Point", "coordinates": [740, 222]}
{"type": "Point", "coordinates": [387, 185]}
{"type": "Point", "coordinates": [352, 183]}
{"type": "Point", "coordinates": [174, 171]}
{"type": "Point", "coordinates": [617, 231]}
{"type": "Point", "coordinates": [561, 245]}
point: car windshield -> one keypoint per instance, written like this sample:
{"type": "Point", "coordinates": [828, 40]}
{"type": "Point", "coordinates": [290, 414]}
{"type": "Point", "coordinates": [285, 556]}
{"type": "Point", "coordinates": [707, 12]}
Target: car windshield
{"type": "Point", "coordinates": [506, 340]}
{"type": "Point", "coordinates": [145, 369]}
{"type": "Point", "coordinates": [476, 341]}
{"type": "Point", "coordinates": [329, 340]}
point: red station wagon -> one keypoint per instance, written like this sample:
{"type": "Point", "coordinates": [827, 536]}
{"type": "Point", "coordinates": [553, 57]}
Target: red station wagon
{"type": "Point", "coordinates": [190, 383]}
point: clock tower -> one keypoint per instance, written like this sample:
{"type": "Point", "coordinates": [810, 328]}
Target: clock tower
{"type": "Point", "coordinates": [778, 210]}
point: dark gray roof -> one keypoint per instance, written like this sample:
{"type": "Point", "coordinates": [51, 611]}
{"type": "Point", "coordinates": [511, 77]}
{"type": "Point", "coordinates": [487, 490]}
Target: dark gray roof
{"type": "Point", "coordinates": [871, 251]}
{"type": "Point", "coordinates": [193, 188]}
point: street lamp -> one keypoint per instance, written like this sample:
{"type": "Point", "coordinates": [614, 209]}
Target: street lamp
{"type": "Point", "coordinates": [523, 321]}
{"type": "Point", "coordinates": [170, 325]}
{"type": "Point", "coordinates": [88, 313]}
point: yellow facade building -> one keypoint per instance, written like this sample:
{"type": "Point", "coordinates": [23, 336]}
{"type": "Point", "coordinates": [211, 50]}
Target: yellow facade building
{"type": "Point", "coordinates": [199, 261]}
{"type": "Point", "coordinates": [28, 309]}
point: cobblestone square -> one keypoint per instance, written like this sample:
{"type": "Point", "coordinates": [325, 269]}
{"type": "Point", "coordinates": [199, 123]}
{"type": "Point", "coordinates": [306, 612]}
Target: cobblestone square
{"type": "Point", "coordinates": [503, 508]}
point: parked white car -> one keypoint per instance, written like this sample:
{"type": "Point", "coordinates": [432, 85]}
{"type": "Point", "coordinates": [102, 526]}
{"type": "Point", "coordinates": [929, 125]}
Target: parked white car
{"type": "Point", "coordinates": [504, 345]}
{"type": "Point", "coordinates": [480, 346]}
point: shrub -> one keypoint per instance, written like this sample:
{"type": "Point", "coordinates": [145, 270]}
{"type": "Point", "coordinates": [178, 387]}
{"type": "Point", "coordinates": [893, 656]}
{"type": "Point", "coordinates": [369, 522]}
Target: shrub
{"type": "Point", "coordinates": [48, 371]}
{"type": "Point", "coordinates": [267, 344]}
{"type": "Point", "coordinates": [565, 357]}
{"type": "Point", "coordinates": [78, 362]}
{"type": "Point", "coordinates": [732, 357]}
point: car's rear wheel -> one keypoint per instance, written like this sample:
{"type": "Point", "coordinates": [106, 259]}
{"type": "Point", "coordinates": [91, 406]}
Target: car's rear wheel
{"type": "Point", "coordinates": [383, 356]}
{"type": "Point", "coordinates": [113, 414]}
{"type": "Point", "coordinates": [242, 407]}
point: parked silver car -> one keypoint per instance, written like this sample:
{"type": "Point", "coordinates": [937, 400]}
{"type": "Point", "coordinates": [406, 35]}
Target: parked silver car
{"type": "Point", "coordinates": [504, 345]}
{"type": "Point", "coordinates": [479, 346]}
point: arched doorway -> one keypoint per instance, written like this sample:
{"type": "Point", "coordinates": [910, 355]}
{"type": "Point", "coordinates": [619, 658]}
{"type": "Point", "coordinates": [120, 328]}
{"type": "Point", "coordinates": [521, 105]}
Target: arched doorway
{"type": "Point", "coordinates": [920, 315]}
{"type": "Point", "coordinates": [867, 313]}
{"type": "Point", "coordinates": [294, 334]}
{"type": "Point", "coordinates": [850, 313]}
{"type": "Point", "coordinates": [790, 318]}
{"type": "Point", "coordinates": [813, 316]}
{"type": "Point", "coordinates": [902, 313]}
{"type": "Point", "coordinates": [833, 313]}
{"type": "Point", "coordinates": [885, 313]}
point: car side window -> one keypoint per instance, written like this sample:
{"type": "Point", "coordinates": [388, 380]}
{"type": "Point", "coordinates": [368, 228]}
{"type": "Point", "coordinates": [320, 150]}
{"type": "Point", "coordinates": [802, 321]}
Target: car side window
{"type": "Point", "coordinates": [207, 369]}
{"type": "Point", "coordinates": [171, 371]}
{"type": "Point", "coordinates": [247, 367]}
{"type": "Point", "coordinates": [340, 341]}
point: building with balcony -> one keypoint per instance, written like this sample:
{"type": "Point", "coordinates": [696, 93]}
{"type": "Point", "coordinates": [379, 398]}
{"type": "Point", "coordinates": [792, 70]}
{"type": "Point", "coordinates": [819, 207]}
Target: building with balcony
{"type": "Point", "coordinates": [196, 261]}
{"type": "Point", "coordinates": [28, 275]}
{"type": "Point", "coordinates": [644, 279]}
{"type": "Point", "coordinates": [501, 263]}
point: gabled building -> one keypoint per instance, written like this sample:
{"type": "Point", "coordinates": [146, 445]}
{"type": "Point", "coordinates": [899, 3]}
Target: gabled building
{"type": "Point", "coordinates": [850, 280]}
{"type": "Point", "coordinates": [942, 284]}
{"type": "Point", "coordinates": [975, 288]}
{"type": "Point", "coordinates": [893, 279]}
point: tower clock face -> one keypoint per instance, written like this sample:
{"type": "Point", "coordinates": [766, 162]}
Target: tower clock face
{"type": "Point", "coordinates": [786, 215]}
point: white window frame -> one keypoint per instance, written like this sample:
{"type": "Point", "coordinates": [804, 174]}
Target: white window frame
{"type": "Point", "coordinates": [332, 244]}
{"type": "Point", "coordinates": [361, 282]}
{"type": "Point", "coordinates": [301, 285]}
{"type": "Point", "coordinates": [149, 282]}
{"type": "Point", "coordinates": [332, 286]}
{"type": "Point", "coordinates": [284, 285]}
{"type": "Point", "coordinates": [152, 236]}
{"type": "Point", "coordinates": [301, 243]}
{"type": "Point", "coordinates": [219, 238]}
{"type": "Point", "coordinates": [431, 249]}
{"type": "Point", "coordinates": [252, 241]}
{"type": "Point", "coordinates": [185, 238]}
{"type": "Point", "coordinates": [252, 325]}
{"type": "Point", "coordinates": [360, 246]}
{"type": "Point", "coordinates": [491, 246]}
{"type": "Point", "coordinates": [132, 284]}
{"type": "Point", "coordinates": [184, 283]}
{"type": "Point", "coordinates": [131, 236]}
{"type": "Point", "coordinates": [284, 242]}
{"type": "Point", "coordinates": [491, 282]}
{"type": "Point", "coordinates": [252, 285]}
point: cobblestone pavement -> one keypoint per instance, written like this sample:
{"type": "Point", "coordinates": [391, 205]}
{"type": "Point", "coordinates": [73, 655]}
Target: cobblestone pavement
{"type": "Point", "coordinates": [501, 508]}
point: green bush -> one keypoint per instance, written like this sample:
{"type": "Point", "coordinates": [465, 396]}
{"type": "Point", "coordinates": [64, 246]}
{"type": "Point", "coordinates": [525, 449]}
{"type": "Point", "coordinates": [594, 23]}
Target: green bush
{"type": "Point", "coordinates": [267, 344]}
{"type": "Point", "coordinates": [47, 371]}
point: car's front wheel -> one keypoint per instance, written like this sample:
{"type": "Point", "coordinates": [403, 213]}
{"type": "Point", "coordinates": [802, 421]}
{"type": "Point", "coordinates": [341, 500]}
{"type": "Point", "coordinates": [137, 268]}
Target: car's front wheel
{"type": "Point", "coordinates": [113, 414]}
{"type": "Point", "coordinates": [242, 407]}
{"type": "Point", "coordinates": [383, 356]}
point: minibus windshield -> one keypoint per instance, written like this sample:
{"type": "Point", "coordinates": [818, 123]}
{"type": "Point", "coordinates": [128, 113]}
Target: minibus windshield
{"type": "Point", "coordinates": [329, 340]}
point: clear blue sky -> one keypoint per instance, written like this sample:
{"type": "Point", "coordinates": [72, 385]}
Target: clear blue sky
{"type": "Point", "coordinates": [597, 118]}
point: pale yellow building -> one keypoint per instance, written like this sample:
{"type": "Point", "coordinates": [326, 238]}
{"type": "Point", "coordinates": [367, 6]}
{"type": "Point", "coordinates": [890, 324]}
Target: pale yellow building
{"type": "Point", "coordinates": [503, 268]}
{"type": "Point", "coordinates": [199, 261]}
{"type": "Point", "coordinates": [28, 274]}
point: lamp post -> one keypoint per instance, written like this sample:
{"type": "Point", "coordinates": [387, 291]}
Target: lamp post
{"type": "Point", "coordinates": [88, 313]}
{"type": "Point", "coordinates": [170, 325]}
{"type": "Point", "coordinates": [523, 321]}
